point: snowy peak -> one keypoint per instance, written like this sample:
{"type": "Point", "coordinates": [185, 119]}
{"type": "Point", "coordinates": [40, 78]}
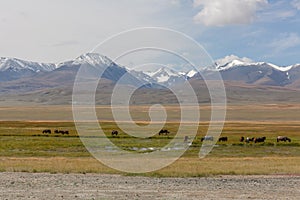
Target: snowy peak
{"type": "Point", "coordinates": [233, 59]}
{"type": "Point", "coordinates": [164, 74]}
{"type": "Point", "coordinates": [191, 73]}
{"type": "Point", "coordinates": [14, 64]}
{"type": "Point", "coordinates": [258, 73]}
{"type": "Point", "coordinates": [246, 62]}
{"type": "Point", "coordinates": [232, 64]}
{"type": "Point", "coordinates": [231, 68]}
{"type": "Point", "coordinates": [93, 59]}
{"type": "Point", "coordinates": [166, 71]}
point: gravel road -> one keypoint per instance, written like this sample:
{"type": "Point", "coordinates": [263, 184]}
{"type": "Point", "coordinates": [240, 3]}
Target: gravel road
{"type": "Point", "coordinates": [95, 186]}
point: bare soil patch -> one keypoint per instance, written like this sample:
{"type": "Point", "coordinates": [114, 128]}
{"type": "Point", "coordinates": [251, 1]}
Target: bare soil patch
{"type": "Point", "coordinates": [97, 186]}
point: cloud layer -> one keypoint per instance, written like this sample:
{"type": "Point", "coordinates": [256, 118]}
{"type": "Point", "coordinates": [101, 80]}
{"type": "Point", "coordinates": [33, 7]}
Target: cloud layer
{"type": "Point", "coordinates": [270, 28]}
{"type": "Point", "coordinates": [296, 4]}
{"type": "Point", "coordinates": [286, 41]}
{"type": "Point", "coordinates": [227, 12]}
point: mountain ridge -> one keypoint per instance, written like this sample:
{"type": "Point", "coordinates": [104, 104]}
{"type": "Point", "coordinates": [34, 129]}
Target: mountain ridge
{"type": "Point", "coordinates": [231, 68]}
{"type": "Point", "coordinates": [250, 82]}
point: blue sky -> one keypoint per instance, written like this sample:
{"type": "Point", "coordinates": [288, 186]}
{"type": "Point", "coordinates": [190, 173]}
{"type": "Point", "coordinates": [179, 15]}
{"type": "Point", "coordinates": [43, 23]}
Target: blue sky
{"type": "Point", "coordinates": [55, 31]}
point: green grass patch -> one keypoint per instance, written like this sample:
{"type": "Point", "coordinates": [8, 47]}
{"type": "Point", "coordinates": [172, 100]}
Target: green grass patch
{"type": "Point", "coordinates": [23, 147]}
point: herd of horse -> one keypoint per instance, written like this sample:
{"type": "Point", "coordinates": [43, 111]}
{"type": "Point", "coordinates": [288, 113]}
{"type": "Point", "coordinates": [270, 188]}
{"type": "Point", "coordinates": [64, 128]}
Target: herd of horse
{"type": "Point", "coordinates": [223, 139]}
{"type": "Point", "coordinates": [48, 131]}
{"type": "Point", "coordinates": [161, 132]}
{"type": "Point", "coordinates": [205, 138]}
{"type": "Point", "coordinates": [253, 139]}
{"type": "Point", "coordinates": [247, 139]}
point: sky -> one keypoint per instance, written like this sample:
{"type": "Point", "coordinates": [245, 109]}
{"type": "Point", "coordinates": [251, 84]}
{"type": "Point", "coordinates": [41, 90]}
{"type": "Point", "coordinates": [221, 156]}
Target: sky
{"type": "Point", "coordinates": [56, 31]}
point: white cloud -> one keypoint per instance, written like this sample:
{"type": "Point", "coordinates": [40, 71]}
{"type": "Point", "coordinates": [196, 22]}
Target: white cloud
{"type": "Point", "coordinates": [285, 14]}
{"type": "Point", "coordinates": [230, 58]}
{"type": "Point", "coordinates": [227, 12]}
{"type": "Point", "coordinates": [29, 32]}
{"type": "Point", "coordinates": [286, 41]}
{"type": "Point", "coordinates": [296, 4]}
{"type": "Point", "coordinates": [277, 11]}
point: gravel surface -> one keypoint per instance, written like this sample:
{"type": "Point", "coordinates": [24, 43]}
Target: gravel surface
{"type": "Point", "coordinates": [95, 186]}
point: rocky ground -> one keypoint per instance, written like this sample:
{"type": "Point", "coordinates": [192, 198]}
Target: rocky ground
{"type": "Point", "coordinates": [96, 186]}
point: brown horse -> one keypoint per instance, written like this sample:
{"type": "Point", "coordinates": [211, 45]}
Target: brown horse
{"type": "Point", "coordinates": [163, 131]}
{"type": "Point", "coordinates": [64, 132]}
{"type": "Point", "coordinates": [47, 131]}
{"type": "Point", "coordinates": [223, 139]}
{"type": "Point", "coordinates": [242, 139]}
{"type": "Point", "coordinates": [260, 139]}
{"type": "Point", "coordinates": [61, 132]}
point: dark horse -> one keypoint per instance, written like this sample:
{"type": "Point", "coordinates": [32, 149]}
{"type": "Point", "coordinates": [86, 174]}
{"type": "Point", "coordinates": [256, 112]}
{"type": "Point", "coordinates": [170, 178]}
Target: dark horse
{"type": "Point", "coordinates": [62, 132]}
{"type": "Point", "coordinates": [283, 138]}
{"type": "Point", "coordinates": [114, 132]}
{"type": "Point", "coordinates": [163, 131]}
{"type": "Point", "coordinates": [223, 139]}
{"type": "Point", "coordinates": [47, 131]}
{"type": "Point", "coordinates": [260, 139]}
{"type": "Point", "coordinates": [242, 139]}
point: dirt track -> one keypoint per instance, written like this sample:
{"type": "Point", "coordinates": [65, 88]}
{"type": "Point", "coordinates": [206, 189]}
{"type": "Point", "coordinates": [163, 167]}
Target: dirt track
{"type": "Point", "coordinates": [94, 186]}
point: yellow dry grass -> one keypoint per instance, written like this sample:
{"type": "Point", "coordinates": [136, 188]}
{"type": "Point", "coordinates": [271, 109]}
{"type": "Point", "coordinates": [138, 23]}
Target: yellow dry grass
{"type": "Point", "coordinates": [235, 166]}
{"type": "Point", "coordinates": [184, 167]}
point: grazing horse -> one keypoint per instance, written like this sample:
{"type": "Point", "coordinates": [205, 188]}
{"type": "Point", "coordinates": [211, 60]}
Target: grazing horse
{"type": "Point", "coordinates": [163, 131]}
{"type": "Point", "coordinates": [114, 132]}
{"type": "Point", "coordinates": [61, 132]}
{"type": "Point", "coordinates": [283, 138]}
{"type": "Point", "coordinates": [242, 139]}
{"type": "Point", "coordinates": [47, 131]}
{"type": "Point", "coordinates": [64, 132]}
{"type": "Point", "coordinates": [223, 139]}
{"type": "Point", "coordinates": [260, 139]}
{"type": "Point", "coordinates": [249, 139]}
{"type": "Point", "coordinates": [206, 138]}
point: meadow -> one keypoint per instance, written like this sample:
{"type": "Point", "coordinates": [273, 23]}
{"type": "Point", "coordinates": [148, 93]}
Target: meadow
{"type": "Point", "coordinates": [23, 146]}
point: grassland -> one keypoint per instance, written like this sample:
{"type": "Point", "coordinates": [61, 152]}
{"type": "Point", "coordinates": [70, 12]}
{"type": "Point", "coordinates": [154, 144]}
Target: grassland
{"type": "Point", "coordinates": [23, 146]}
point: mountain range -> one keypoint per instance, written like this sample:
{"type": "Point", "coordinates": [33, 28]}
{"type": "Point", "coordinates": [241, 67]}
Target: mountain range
{"type": "Point", "coordinates": [33, 80]}
{"type": "Point", "coordinates": [261, 73]}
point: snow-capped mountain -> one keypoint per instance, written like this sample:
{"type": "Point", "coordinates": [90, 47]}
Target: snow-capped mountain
{"type": "Point", "coordinates": [12, 68]}
{"type": "Point", "coordinates": [191, 73]}
{"type": "Point", "coordinates": [53, 83]}
{"type": "Point", "coordinates": [63, 74]}
{"type": "Point", "coordinates": [14, 64]}
{"type": "Point", "coordinates": [231, 68]}
{"type": "Point", "coordinates": [261, 73]}
{"type": "Point", "coordinates": [238, 63]}
{"type": "Point", "coordinates": [142, 76]}
{"type": "Point", "coordinates": [96, 65]}
{"type": "Point", "coordinates": [231, 58]}
{"type": "Point", "coordinates": [167, 76]}
{"type": "Point", "coordinates": [92, 59]}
